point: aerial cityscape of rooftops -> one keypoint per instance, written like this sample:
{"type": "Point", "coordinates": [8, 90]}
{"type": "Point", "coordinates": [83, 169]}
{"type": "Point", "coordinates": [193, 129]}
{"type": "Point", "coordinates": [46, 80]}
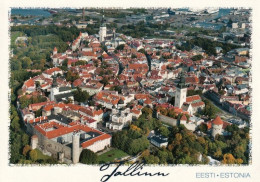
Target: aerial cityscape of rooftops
{"type": "Point", "coordinates": [162, 86]}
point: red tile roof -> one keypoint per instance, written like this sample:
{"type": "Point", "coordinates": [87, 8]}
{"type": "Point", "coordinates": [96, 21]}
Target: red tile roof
{"type": "Point", "coordinates": [89, 54]}
{"type": "Point", "coordinates": [193, 98]}
{"type": "Point", "coordinates": [91, 112]}
{"type": "Point", "coordinates": [217, 121]}
{"type": "Point", "coordinates": [29, 83]}
{"type": "Point", "coordinates": [51, 70]}
{"type": "Point", "coordinates": [96, 139]}
{"type": "Point", "coordinates": [192, 80]}
{"type": "Point", "coordinates": [77, 82]}
{"type": "Point", "coordinates": [198, 104]}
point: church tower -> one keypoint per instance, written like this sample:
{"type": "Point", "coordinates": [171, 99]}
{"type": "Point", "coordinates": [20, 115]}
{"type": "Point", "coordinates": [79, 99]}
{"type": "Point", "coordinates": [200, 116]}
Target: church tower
{"type": "Point", "coordinates": [102, 31]}
{"type": "Point", "coordinates": [181, 92]}
{"type": "Point", "coordinates": [54, 88]}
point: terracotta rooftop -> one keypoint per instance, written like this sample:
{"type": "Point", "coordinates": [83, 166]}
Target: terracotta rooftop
{"type": "Point", "coordinates": [217, 121]}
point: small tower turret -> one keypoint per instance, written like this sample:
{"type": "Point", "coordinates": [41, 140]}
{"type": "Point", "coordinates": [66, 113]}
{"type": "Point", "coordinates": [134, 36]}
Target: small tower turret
{"type": "Point", "coordinates": [55, 51]}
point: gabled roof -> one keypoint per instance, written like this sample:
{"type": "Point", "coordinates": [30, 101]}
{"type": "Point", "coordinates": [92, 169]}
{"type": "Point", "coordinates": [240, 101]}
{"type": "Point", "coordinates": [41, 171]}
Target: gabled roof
{"type": "Point", "coordinates": [51, 70]}
{"type": "Point", "coordinates": [29, 83]}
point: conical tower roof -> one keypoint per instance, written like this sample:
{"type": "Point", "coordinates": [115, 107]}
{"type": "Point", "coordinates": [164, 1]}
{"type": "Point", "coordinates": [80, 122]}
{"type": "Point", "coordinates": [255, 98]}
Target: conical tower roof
{"type": "Point", "coordinates": [217, 121]}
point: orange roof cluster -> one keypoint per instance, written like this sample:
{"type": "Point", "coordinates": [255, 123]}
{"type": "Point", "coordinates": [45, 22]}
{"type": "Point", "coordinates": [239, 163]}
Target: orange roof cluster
{"type": "Point", "coordinates": [137, 66]}
{"type": "Point", "coordinates": [59, 130]}
{"type": "Point", "coordinates": [91, 111]}
{"type": "Point", "coordinates": [50, 106]}
{"type": "Point", "coordinates": [108, 97]}
{"type": "Point", "coordinates": [92, 54]}
{"type": "Point", "coordinates": [142, 96]}
{"type": "Point", "coordinates": [193, 79]}
{"type": "Point", "coordinates": [51, 124]}
{"type": "Point", "coordinates": [52, 70]}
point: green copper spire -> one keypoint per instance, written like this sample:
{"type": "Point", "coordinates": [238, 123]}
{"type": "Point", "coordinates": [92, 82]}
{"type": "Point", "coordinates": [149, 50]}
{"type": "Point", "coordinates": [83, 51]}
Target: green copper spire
{"type": "Point", "coordinates": [181, 84]}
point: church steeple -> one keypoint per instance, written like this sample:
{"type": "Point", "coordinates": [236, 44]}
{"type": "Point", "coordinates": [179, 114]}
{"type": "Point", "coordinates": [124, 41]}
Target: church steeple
{"type": "Point", "coordinates": [103, 24]}
{"type": "Point", "coordinates": [181, 92]}
{"type": "Point", "coordinates": [54, 83]}
{"type": "Point", "coordinates": [102, 30]}
{"type": "Point", "coordinates": [181, 84]}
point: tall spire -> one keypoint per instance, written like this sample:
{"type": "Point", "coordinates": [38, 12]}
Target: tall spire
{"type": "Point", "coordinates": [103, 24]}
{"type": "Point", "coordinates": [181, 84]}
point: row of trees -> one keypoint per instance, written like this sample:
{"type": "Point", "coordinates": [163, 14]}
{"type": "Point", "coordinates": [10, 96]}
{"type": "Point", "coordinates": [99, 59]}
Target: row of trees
{"type": "Point", "coordinates": [18, 138]}
{"type": "Point", "coordinates": [19, 141]}
{"type": "Point", "coordinates": [25, 101]}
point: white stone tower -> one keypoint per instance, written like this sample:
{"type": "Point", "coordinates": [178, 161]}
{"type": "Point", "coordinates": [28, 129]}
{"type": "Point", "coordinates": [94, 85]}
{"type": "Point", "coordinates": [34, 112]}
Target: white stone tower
{"type": "Point", "coordinates": [102, 31]}
{"type": "Point", "coordinates": [75, 148]}
{"type": "Point", "coordinates": [217, 126]}
{"type": "Point", "coordinates": [181, 92]}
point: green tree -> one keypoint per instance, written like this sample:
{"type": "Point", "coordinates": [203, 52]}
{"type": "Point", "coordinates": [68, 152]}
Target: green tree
{"type": "Point", "coordinates": [71, 76]}
{"type": "Point", "coordinates": [26, 149]}
{"type": "Point", "coordinates": [88, 157]}
{"type": "Point", "coordinates": [25, 139]}
{"type": "Point", "coordinates": [164, 131]}
{"type": "Point", "coordinates": [81, 96]}
{"type": "Point", "coordinates": [33, 155]}
{"type": "Point", "coordinates": [197, 57]}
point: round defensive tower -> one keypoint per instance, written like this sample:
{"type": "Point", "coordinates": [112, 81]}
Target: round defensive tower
{"type": "Point", "coordinates": [217, 126]}
{"type": "Point", "coordinates": [75, 148]}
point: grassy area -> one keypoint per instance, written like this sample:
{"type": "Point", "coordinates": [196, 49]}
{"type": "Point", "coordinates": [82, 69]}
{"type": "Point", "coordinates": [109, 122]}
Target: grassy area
{"type": "Point", "coordinates": [111, 155]}
{"type": "Point", "coordinates": [40, 155]}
